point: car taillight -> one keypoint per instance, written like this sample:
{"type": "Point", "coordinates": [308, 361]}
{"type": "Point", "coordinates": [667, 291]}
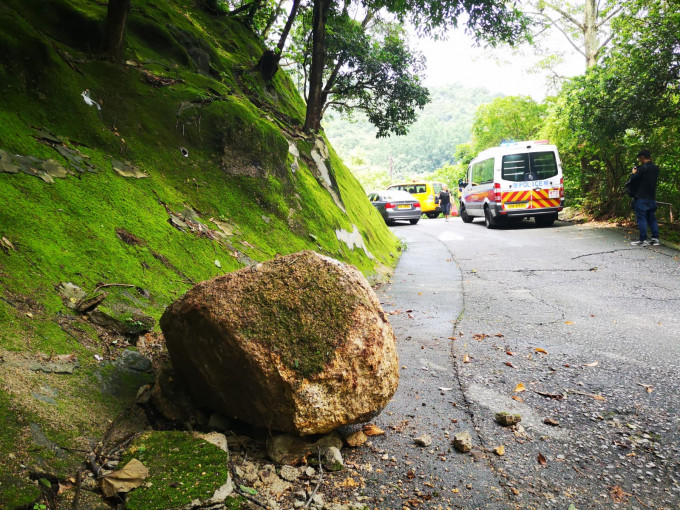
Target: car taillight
{"type": "Point", "coordinates": [417, 204]}
{"type": "Point", "coordinates": [389, 205]}
{"type": "Point", "coordinates": [497, 192]}
{"type": "Point", "coordinates": [562, 187]}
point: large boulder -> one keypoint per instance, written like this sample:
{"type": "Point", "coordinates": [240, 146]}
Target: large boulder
{"type": "Point", "coordinates": [298, 344]}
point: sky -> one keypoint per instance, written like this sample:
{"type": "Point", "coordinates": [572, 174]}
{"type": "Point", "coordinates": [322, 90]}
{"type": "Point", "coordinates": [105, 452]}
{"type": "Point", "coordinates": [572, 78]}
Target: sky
{"type": "Point", "coordinates": [500, 70]}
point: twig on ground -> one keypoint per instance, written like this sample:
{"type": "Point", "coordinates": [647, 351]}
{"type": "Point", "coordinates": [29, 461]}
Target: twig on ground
{"type": "Point", "coordinates": [103, 285]}
{"type": "Point", "coordinates": [318, 483]}
{"type": "Point", "coordinates": [79, 481]}
{"type": "Point", "coordinates": [640, 501]}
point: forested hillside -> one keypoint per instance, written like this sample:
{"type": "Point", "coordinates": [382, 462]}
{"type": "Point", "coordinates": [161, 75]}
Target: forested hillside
{"type": "Point", "coordinates": [443, 124]}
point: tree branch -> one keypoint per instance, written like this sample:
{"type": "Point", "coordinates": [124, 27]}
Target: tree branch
{"type": "Point", "coordinates": [611, 15]}
{"type": "Point", "coordinates": [565, 15]}
{"type": "Point", "coordinates": [564, 33]}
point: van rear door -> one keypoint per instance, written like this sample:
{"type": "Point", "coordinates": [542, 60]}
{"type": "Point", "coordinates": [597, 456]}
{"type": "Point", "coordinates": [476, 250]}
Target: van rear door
{"type": "Point", "coordinates": [530, 180]}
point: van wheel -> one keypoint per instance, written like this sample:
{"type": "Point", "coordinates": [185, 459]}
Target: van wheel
{"type": "Point", "coordinates": [546, 220]}
{"type": "Point", "coordinates": [432, 215]}
{"type": "Point", "coordinates": [413, 222]}
{"type": "Point", "coordinates": [464, 215]}
{"type": "Point", "coordinates": [488, 219]}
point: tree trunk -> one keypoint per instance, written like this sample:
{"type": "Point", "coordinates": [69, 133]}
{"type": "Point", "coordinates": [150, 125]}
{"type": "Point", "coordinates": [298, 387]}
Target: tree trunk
{"type": "Point", "coordinates": [315, 99]}
{"type": "Point", "coordinates": [268, 64]}
{"type": "Point", "coordinates": [590, 39]}
{"type": "Point", "coordinates": [116, 20]}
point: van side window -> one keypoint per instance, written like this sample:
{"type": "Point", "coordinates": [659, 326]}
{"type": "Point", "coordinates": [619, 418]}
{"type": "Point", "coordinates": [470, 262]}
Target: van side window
{"type": "Point", "coordinates": [482, 171]}
{"type": "Point", "coordinates": [529, 166]}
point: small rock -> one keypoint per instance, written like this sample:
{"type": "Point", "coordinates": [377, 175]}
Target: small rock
{"type": "Point", "coordinates": [507, 419]}
{"type": "Point", "coordinates": [332, 439]}
{"type": "Point", "coordinates": [462, 442]}
{"type": "Point", "coordinates": [423, 440]}
{"type": "Point", "coordinates": [310, 471]}
{"type": "Point", "coordinates": [551, 422]}
{"type": "Point", "coordinates": [355, 439]}
{"type": "Point", "coordinates": [331, 459]}
{"type": "Point", "coordinates": [289, 473]}
{"type": "Point", "coordinates": [287, 449]}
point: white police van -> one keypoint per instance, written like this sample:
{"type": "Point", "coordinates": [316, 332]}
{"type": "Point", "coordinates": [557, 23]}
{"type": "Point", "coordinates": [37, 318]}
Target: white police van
{"type": "Point", "coordinates": [514, 181]}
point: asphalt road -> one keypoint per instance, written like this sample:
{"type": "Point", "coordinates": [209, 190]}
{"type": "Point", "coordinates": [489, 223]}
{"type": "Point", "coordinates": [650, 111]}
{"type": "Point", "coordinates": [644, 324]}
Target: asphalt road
{"type": "Point", "coordinates": [590, 327]}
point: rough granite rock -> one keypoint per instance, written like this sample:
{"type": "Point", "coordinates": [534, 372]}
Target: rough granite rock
{"type": "Point", "coordinates": [298, 344]}
{"type": "Point", "coordinates": [462, 441]}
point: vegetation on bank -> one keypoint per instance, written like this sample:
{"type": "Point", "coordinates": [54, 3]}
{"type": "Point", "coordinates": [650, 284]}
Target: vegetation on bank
{"type": "Point", "coordinates": [129, 183]}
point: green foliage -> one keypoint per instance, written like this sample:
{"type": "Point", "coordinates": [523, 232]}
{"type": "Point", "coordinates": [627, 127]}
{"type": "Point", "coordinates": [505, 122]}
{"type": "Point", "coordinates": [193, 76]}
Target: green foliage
{"type": "Point", "coordinates": [630, 101]}
{"type": "Point", "coordinates": [506, 119]}
{"type": "Point", "coordinates": [368, 68]}
{"type": "Point", "coordinates": [431, 143]}
{"type": "Point", "coordinates": [490, 21]}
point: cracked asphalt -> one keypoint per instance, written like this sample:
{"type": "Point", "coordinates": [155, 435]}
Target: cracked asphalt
{"type": "Point", "coordinates": [571, 328]}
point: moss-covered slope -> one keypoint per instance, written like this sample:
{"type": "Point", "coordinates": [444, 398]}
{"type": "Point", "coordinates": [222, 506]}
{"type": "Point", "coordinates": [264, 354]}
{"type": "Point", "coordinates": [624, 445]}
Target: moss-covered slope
{"type": "Point", "coordinates": [137, 180]}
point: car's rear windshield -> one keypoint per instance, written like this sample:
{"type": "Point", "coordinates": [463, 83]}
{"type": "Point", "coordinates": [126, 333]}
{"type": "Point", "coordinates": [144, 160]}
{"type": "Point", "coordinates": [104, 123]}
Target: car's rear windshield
{"type": "Point", "coordinates": [529, 166]}
{"type": "Point", "coordinates": [410, 188]}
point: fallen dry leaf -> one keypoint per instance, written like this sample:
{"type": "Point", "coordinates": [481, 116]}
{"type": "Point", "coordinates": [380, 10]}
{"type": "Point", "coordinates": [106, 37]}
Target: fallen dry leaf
{"type": "Point", "coordinates": [466, 359]}
{"type": "Point", "coordinates": [518, 399]}
{"type": "Point", "coordinates": [480, 336]}
{"type": "Point", "coordinates": [550, 421]}
{"type": "Point", "coordinates": [541, 459]}
{"type": "Point", "coordinates": [647, 387]}
{"type": "Point", "coordinates": [372, 430]}
{"type": "Point", "coordinates": [131, 476]}
{"type": "Point", "coordinates": [618, 494]}
{"type": "Point", "coordinates": [510, 353]}
{"type": "Point", "coordinates": [569, 323]}
{"type": "Point", "coordinates": [520, 387]}
{"type": "Point", "coordinates": [509, 364]}
{"type": "Point", "coordinates": [499, 450]}
{"type": "Point", "coordinates": [538, 349]}
{"type": "Point", "coordinates": [593, 364]}
{"type": "Point", "coordinates": [499, 335]}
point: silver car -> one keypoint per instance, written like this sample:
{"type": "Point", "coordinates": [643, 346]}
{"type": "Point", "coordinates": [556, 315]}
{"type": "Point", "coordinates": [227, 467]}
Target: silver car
{"type": "Point", "coordinates": [396, 205]}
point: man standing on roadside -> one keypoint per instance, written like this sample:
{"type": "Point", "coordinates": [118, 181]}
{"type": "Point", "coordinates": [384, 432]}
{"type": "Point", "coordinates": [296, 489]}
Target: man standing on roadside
{"type": "Point", "coordinates": [445, 201]}
{"type": "Point", "coordinates": [643, 188]}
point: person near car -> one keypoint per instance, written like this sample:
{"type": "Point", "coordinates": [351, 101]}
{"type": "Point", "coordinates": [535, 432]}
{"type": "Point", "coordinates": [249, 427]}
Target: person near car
{"type": "Point", "coordinates": [445, 201]}
{"type": "Point", "coordinates": [642, 185]}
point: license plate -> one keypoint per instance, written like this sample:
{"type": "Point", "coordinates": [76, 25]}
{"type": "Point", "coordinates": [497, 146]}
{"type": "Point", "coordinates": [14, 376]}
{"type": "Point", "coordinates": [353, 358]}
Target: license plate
{"type": "Point", "coordinates": [554, 193]}
{"type": "Point", "coordinates": [522, 205]}
{"type": "Point", "coordinates": [403, 207]}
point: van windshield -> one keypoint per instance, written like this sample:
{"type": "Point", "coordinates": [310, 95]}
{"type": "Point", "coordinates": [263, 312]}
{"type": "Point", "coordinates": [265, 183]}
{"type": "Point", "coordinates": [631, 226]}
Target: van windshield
{"type": "Point", "coordinates": [529, 166]}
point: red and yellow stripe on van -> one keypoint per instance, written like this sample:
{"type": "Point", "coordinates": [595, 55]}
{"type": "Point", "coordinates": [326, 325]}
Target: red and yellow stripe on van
{"type": "Point", "coordinates": [531, 199]}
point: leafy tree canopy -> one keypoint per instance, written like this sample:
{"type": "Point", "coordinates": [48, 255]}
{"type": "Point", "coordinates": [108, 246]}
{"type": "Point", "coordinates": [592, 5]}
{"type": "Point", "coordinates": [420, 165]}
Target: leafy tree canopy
{"type": "Point", "coordinates": [506, 118]}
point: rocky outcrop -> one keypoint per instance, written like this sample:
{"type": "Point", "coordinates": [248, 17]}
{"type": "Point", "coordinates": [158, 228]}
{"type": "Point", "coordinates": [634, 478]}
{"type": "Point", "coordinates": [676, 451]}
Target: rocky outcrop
{"type": "Point", "coordinates": [297, 344]}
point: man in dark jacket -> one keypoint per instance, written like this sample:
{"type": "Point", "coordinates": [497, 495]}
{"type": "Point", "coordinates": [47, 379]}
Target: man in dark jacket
{"type": "Point", "coordinates": [643, 188]}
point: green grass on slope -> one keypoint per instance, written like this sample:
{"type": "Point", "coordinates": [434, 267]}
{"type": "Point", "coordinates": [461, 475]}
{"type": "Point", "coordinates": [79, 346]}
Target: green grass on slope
{"type": "Point", "coordinates": [187, 82]}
